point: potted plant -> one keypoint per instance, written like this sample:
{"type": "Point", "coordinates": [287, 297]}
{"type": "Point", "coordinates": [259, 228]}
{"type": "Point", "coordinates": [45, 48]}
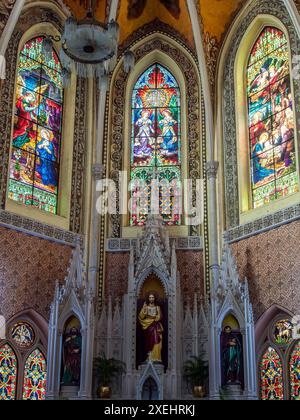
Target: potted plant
{"type": "Point", "coordinates": [195, 371]}
{"type": "Point", "coordinates": [105, 370]}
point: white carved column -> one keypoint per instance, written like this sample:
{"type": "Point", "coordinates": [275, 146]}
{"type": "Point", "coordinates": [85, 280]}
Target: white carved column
{"type": "Point", "coordinates": [214, 356]}
{"type": "Point", "coordinates": [88, 337]}
{"type": "Point", "coordinates": [7, 33]}
{"type": "Point", "coordinates": [53, 353]}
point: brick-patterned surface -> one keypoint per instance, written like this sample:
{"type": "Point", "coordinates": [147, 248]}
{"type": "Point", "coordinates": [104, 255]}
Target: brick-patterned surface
{"type": "Point", "coordinates": [271, 262]}
{"type": "Point", "coordinates": [190, 267]}
{"type": "Point", "coordinates": [29, 268]}
{"type": "Point", "coordinates": [116, 278]}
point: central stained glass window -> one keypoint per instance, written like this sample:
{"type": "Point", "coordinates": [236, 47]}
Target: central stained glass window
{"type": "Point", "coordinates": [271, 119]}
{"type": "Point", "coordinates": [156, 147]}
{"type": "Point", "coordinates": [35, 154]}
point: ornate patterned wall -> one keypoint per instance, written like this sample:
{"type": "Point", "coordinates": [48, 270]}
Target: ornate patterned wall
{"type": "Point", "coordinates": [5, 9]}
{"type": "Point", "coordinates": [271, 263]}
{"type": "Point", "coordinates": [190, 266]}
{"type": "Point", "coordinates": [29, 268]}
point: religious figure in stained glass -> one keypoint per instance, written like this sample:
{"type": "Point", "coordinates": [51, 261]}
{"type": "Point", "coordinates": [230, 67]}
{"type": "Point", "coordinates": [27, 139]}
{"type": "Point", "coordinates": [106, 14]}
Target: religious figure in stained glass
{"type": "Point", "coordinates": [283, 332]}
{"type": "Point", "coordinates": [23, 334]}
{"type": "Point", "coordinates": [35, 155]}
{"type": "Point", "coordinates": [35, 374]}
{"type": "Point", "coordinates": [271, 119]}
{"type": "Point", "coordinates": [271, 376]}
{"type": "Point", "coordinates": [8, 373]}
{"type": "Point", "coordinates": [156, 148]}
{"type": "Point", "coordinates": [295, 373]}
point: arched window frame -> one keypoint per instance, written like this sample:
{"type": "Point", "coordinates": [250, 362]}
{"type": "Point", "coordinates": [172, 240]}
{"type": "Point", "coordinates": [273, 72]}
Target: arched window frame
{"type": "Point", "coordinates": [284, 352]}
{"type": "Point", "coordinates": [247, 212]}
{"type": "Point", "coordinates": [22, 354]}
{"type": "Point", "coordinates": [62, 218]}
{"type": "Point", "coordinates": [155, 57]}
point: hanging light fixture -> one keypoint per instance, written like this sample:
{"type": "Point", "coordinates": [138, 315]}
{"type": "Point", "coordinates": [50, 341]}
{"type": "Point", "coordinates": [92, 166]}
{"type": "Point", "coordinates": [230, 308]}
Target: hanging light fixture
{"type": "Point", "coordinates": [89, 48]}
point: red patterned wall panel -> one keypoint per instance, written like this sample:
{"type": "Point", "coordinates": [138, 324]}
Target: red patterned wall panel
{"type": "Point", "coordinates": [29, 268]}
{"type": "Point", "coordinates": [271, 262]}
{"type": "Point", "coordinates": [116, 278]}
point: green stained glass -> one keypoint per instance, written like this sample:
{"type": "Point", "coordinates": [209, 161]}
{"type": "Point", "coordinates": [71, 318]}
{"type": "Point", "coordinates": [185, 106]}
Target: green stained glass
{"type": "Point", "coordinates": [271, 376]}
{"type": "Point", "coordinates": [34, 386]}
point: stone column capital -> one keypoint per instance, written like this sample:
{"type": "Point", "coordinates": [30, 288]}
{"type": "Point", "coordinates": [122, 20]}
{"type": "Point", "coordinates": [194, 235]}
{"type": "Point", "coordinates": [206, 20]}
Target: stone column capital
{"type": "Point", "coordinates": [212, 169]}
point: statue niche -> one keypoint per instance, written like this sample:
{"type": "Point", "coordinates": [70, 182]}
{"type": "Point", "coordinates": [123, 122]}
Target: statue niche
{"type": "Point", "coordinates": [152, 323]}
{"type": "Point", "coordinates": [232, 353]}
{"type": "Point", "coordinates": [71, 352]}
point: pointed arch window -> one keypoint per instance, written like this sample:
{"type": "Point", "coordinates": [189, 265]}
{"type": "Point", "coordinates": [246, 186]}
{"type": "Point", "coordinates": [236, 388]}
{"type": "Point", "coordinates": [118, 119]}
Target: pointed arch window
{"type": "Point", "coordinates": [271, 376]}
{"type": "Point", "coordinates": [295, 372]}
{"type": "Point", "coordinates": [156, 146]}
{"type": "Point", "coordinates": [36, 139]}
{"type": "Point", "coordinates": [271, 119]}
{"type": "Point", "coordinates": [34, 387]}
{"type": "Point", "coordinates": [8, 373]}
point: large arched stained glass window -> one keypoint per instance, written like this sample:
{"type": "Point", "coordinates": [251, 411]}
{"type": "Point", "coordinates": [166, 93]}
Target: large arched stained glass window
{"type": "Point", "coordinates": [271, 376]}
{"type": "Point", "coordinates": [35, 154]}
{"type": "Point", "coordinates": [295, 373]}
{"type": "Point", "coordinates": [35, 373]}
{"type": "Point", "coordinates": [271, 119]}
{"type": "Point", "coordinates": [156, 146]}
{"type": "Point", "coordinates": [8, 373]}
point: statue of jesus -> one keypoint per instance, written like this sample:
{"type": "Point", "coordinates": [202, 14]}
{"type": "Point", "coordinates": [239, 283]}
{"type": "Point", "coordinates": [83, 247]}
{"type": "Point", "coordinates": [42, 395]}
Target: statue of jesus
{"type": "Point", "coordinates": [150, 319]}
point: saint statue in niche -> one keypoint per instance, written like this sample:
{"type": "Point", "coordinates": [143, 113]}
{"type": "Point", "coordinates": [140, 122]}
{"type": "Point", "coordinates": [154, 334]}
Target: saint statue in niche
{"type": "Point", "coordinates": [231, 357]}
{"type": "Point", "coordinates": [150, 318]}
{"type": "Point", "coordinates": [72, 357]}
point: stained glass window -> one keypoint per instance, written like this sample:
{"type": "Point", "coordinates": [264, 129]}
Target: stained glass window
{"type": "Point", "coordinates": [8, 373]}
{"type": "Point", "coordinates": [35, 154]}
{"type": "Point", "coordinates": [23, 334]}
{"type": "Point", "coordinates": [271, 119]}
{"type": "Point", "coordinates": [271, 376]}
{"type": "Point", "coordinates": [35, 373]}
{"type": "Point", "coordinates": [295, 373]}
{"type": "Point", "coordinates": [156, 147]}
{"type": "Point", "coordinates": [283, 332]}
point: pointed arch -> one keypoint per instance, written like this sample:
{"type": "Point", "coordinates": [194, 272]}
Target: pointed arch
{"type": "Point", "coordinates": [8, 373]}
{"type": "Point", "coordinates": [35, 375]}
{"type": "Point", "coordinates": [271, 375]}
{"type": "Point", "coordinates": [294, 372]}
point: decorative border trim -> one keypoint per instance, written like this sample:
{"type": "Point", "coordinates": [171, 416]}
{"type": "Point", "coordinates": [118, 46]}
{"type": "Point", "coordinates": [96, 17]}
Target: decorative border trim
{"type": "Point", "coordinates": [194, 243]}
{"type": "Point", "coordinates": [34, 228]}
{"type": "Point", "coordinates": [264, 224]}
{"type": "Point", "coordinates": [79, 157]}
{"type": "Point", "coordinates": [278, 10]}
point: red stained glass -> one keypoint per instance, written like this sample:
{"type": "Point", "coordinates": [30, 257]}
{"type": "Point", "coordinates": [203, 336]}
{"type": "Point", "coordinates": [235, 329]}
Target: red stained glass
{"type": "Point", "coordinates": [8, 373]}
{"type": "Point", "coordinates": [295, 373]}
{"type": "Point", "coordinates": [271, 376]}
{"type": "Point", "coordinates": [35, 374]}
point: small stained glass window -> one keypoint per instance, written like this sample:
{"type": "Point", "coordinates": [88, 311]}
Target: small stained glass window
{"type": "Point", "coordinates": [23, 334]}
{"type": "Point", "coordinates": [8, 373]}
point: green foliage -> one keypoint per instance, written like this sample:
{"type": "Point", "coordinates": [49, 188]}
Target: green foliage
{"type": "Point", "coordinates": [195, 371]}
{"type": "Point", "coordinates": [105, 370]}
